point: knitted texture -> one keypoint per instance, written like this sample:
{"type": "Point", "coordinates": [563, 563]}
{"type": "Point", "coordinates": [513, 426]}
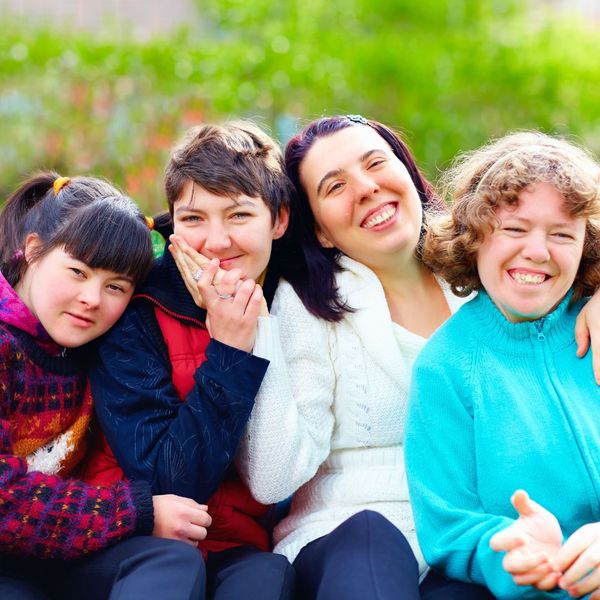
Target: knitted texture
{"type": "Point", "coordinates": [45, 409]}
{"type": "Point", "coordinates": [497, 406]}
{"type": "Point", "coordinates": [328, 421]}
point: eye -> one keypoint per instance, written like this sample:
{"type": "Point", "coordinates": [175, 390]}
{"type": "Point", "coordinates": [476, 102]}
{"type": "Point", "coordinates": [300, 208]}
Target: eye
{"type": "Point", "coordinates": [376, 162]}
{"type": "Point", "coordinates": [190, 219]}
{"type": "Point", "coordinates": [118, 288]}
{"type": "Point", "coordinates": [514, 230]}
{"type": "Point", "coordinates": [563, 235]}
{"type": "Point", "coordinates": [240, 215]}
{"type": "Point", "coordinates": [77, 272]}
{"type": "Point", "coordinates": [335, 187]}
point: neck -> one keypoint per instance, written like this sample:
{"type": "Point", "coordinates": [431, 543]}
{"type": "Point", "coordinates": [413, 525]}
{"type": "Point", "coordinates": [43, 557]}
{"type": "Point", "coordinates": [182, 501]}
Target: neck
{"type": "Point", "coordinates": [403, 278]}
{"type": "Point", "coordinates": [414, 297]}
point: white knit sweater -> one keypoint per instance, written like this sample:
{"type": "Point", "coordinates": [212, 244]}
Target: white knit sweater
{"type": "Point", "coordinates": [328, 421]}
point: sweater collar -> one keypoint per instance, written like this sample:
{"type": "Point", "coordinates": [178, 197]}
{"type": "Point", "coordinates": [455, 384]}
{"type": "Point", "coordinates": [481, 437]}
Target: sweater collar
{"type": "Point", "coordinates": [371, 319]}
{"type": "Point", "coordinates": [13, 311]}
{"type": "Point", "coordinates": [557, 327]}
{"type": "Point", "coordinates": [166, 286]}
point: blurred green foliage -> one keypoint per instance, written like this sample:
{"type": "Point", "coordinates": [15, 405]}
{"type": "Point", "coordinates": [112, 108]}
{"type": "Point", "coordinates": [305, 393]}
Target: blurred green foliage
{"type": "Point", "coordinates": [448, 73]}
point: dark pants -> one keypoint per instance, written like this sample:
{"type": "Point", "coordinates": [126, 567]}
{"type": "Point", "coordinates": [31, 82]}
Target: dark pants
{"type": "Point", "coordinates": [367, 557]}
{"type": "Point", "coordinates": [249, 574]}
{"type": "Point", "coordinates": [140, 567]}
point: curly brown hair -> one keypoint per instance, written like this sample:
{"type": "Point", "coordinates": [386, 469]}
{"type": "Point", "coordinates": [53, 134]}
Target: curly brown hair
{"type": "Point", "coordinates": [494, 175]}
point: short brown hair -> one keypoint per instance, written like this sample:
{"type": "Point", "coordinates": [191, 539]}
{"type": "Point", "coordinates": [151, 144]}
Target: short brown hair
{"type": "Point", "coordinates": [228, 160]}
{"type": "Point", "coordinates": [494, 175]}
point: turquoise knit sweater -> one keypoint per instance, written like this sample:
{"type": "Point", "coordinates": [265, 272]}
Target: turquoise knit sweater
{"type": "Point", "coordinates": [496, 406]}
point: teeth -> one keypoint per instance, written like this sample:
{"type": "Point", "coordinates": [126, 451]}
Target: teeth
{"type": "Point", "coordinates": [388, 213]}
{"type": "Point", "coordinates": [529, 278]}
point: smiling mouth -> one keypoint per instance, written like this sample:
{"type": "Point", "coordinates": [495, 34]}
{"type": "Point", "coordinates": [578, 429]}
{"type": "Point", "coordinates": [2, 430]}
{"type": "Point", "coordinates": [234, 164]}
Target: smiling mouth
{"type": "Point", "coordinates": [225, 261]}
{"type": "Point", "coordinates": [528, 278]}
{"type": "Point", "coordinates": [380, 216]}
{"type": "Point", "coordinates": [84, 321]}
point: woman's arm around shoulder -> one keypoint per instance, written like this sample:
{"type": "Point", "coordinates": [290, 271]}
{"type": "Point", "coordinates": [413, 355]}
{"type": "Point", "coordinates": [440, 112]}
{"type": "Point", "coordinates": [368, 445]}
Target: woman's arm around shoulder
{"type": "Point", "coordinates": [289, 432]}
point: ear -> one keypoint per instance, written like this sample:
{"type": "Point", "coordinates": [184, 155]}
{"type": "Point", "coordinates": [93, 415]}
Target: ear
{"type": "Point", "coordinates": [281, 222]}
{"type": "Point", "coordinates": [32, 245]}
{"type": "Point", "coordinates": [322, 238]}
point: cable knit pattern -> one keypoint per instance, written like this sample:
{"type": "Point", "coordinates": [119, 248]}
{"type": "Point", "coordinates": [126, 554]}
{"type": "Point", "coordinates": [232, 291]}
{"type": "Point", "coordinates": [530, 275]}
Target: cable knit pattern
{"type": "Point", "coordinates": [44, 412]}
{"type": "Point", "coordinates": [328, 421]}
{"type": "Point", "coordinates": [497, 406]}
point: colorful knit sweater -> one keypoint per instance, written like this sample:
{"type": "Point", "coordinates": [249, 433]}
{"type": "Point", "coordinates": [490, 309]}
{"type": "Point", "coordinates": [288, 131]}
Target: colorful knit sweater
{"type": "Point", "coordinates": [45, 408]}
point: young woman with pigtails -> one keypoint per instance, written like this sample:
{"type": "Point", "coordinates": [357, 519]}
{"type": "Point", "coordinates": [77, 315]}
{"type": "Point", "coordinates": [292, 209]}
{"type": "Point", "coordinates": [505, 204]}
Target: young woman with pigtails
{"type": "Point", "coordinates": [73, 249]}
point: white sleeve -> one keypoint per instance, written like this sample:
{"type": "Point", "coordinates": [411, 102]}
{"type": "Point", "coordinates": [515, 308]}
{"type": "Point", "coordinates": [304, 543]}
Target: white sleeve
{"type": "Point", "coordinates": [289, 432]}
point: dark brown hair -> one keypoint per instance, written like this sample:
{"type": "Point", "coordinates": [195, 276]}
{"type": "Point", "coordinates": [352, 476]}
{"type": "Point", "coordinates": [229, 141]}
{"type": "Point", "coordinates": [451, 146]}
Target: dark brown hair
{"type": "Point", "coordinates": [228, 160]}
{"type": "Point", "coordinates": [87, 217]}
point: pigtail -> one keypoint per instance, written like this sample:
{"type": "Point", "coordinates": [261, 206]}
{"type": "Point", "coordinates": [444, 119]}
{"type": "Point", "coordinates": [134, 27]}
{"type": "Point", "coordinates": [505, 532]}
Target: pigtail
{"type": "Point", "coordinates": [13, 221]}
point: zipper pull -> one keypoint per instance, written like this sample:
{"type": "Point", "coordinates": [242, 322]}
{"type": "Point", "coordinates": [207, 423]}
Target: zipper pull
{"type": "Point", "coordinates": [539, 325]}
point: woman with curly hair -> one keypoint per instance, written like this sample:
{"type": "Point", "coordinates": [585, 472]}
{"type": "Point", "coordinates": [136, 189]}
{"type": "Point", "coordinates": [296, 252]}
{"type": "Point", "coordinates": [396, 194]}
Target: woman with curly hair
{"type": "Point", "coordinates": [499, 401]}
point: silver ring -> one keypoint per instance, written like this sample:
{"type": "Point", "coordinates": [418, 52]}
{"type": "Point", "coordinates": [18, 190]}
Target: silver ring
{"type": "Point", "coordinates": [197, 274]}
{"type": "Point", "coordinates": [224, 296]}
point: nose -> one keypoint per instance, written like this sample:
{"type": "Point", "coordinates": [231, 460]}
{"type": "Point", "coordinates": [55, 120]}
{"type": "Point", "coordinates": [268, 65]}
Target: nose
{"type": "Point", "coordinates": [91, 294]}
{"type": "Point", "coordinates": [366, 186]}
{"type": "Point", "coordinates": [217, 238]}
{"type": "Point", "coordinates": [536, 248]}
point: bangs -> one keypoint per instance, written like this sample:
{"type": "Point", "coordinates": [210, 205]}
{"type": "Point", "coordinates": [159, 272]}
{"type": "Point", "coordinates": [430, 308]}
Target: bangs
{"type": "Point", "coordinates": [109, 235]}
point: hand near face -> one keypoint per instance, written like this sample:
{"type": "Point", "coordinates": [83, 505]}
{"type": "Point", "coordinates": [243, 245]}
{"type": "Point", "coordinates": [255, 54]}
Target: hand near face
{"type": "Point", "coordinates": [587, 327]}
{"type": "Point", "coordinates": [579, 560]}
{"type": "Point", "coordinates": [232, 309]}
{"type": "Point", "coordinates": [189, 261]}
{"type": "Point", "coordinates": [531, 544]}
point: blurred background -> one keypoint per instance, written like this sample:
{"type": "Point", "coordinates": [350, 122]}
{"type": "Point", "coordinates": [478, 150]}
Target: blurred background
{"type": "Point", "coordinates": [106, 88]}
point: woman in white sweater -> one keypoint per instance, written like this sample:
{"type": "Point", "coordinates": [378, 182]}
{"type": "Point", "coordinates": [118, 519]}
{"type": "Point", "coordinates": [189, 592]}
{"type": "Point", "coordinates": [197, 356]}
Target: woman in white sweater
{"type": "Point", "coordinates": [328, 422]}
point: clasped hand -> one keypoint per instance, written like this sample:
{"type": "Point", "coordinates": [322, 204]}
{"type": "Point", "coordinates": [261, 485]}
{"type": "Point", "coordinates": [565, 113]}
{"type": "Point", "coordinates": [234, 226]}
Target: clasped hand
{"type": "Point", "coordinates": [233, 302]}
{"type": "Point", "coordinates": [536, 555]}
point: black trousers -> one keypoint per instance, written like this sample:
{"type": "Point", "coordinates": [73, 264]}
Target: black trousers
{"type": "Point", "coordinates": [145, 568]}
{"type": "Point", "coordinates": [368, 557]}
{"type": "Point", "coordinates": [246, 573]}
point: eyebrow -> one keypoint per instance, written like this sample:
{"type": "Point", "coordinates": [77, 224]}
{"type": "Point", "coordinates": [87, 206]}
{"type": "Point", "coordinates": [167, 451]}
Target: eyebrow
{"type": "Point", "coordinates": [336, 172]}
{"type": "Point", "coordinates": [529, 221]}
{"type": "Point", "coordinates": [188, 208]}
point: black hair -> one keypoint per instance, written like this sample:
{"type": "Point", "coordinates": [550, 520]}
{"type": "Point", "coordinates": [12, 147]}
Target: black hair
{"type": "Point", "coordinates": [87, 217]}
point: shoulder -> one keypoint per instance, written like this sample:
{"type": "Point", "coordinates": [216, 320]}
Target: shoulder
{"type": "Point", "coordinates": [286, 303]}
{"type": "Point", "coordinates": [8, 344]}
{"type": "Point", "coordinates": [294, 321]}
{"type": "Point", "coordinates": [135, 333]}
{"type": "Point", "coordinates": [454, 342]}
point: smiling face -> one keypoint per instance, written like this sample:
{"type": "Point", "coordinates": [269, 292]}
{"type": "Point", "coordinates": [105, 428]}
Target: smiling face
{"type": "Point", "coordinates": [238, 232]}
{"type": "Point", "coordinates": [530, 261]}
{"type": "Point", "coordinates": [74, 303]}
{"type": "Point", "coordinates": [362, 197]}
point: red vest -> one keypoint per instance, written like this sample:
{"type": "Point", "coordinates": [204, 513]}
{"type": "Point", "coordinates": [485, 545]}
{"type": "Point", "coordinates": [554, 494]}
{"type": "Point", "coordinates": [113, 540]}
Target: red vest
{"type": "Point", "coordinates": [235, 513]}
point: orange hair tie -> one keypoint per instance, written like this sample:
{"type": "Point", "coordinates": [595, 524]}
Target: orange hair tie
{"type": "Point", "coordinates": [150, 223]}
{"type": "Point", "coordinates": [59, 184]}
